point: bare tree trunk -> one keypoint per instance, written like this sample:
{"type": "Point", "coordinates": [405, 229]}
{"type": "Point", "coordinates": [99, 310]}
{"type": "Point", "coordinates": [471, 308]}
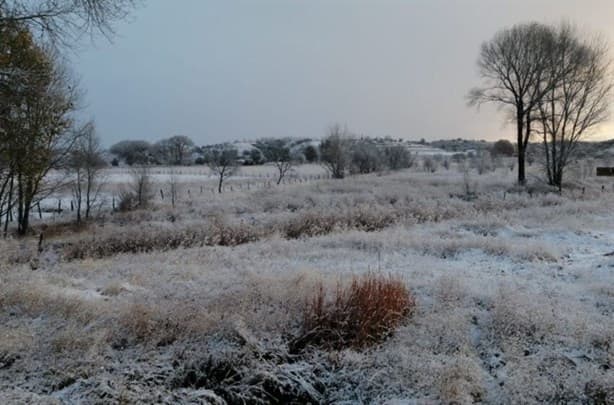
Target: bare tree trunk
{"type": "Point", "coordinates": [280, 177]}
{"type": "Point", "coordinates": [521, 148]}
{"type": "Point", "coordinates": [9, 207]}
{"type": "Point", "coordinates": [88, 193]}
{"type": "Point", "coordinates": [24, 217]}
{"type": "Point", "coordinates": [79, 210]}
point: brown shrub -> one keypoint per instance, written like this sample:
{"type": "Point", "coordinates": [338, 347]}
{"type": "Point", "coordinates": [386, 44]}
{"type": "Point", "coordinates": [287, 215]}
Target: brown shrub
{"type": "Point", "coordinates": [309, 224]}
{"type": "Point", "coordinates": [127, 202]}
{"type": "Point", "coordinates": [357, 315]}
{"type": "Point", "coordinates": [226, 234]}
{"type": "Point", "coordinates": [372, 219]}
{"type": "Point", "coordinates": [152, 239]}
{"type": "Point", "coordinates": [364, 218]}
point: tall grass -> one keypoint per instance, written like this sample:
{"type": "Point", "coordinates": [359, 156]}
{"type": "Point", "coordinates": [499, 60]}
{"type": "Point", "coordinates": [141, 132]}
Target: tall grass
{"type": "Point", "coordinates": [357, 315]}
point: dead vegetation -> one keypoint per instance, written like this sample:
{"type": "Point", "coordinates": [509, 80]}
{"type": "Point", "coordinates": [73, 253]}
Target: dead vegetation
{"type": "Point", "coordinates": [295, 303]}
{"type": "Point", "coordinates": [357, 315]}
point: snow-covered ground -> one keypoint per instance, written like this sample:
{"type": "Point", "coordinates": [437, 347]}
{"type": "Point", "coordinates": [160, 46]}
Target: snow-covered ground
{"type": "Point", "coordinates": [514, 292]}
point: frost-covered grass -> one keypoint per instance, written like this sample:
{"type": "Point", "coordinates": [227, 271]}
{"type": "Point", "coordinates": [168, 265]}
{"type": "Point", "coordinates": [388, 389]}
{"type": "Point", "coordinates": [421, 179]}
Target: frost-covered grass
{"type": "Point", "coordinates": [514, 296]}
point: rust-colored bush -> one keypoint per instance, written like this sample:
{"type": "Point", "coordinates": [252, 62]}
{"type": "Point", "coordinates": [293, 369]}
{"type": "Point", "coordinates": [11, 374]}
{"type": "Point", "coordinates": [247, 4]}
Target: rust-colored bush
{"type": "Point", "coordinates": [359, 314]}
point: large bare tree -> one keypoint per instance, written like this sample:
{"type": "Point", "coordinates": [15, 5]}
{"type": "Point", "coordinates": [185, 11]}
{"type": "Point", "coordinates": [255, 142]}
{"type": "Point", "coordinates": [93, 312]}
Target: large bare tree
{"type": "Point", "coordinates": [513, 67]}
{"type": "Point", "coordinates": [63, 21]}
{"type": "Point", "coordinates": [223, 164]}
{"type": "Point", "coordinates": [279, 154]}
{"type": "Point", "coordinates": [579, 101]}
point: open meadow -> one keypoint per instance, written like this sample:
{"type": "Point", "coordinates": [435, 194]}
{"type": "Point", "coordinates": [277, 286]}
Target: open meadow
{"type": "Point", "coordinates": [308, 202]}
{"type": "Point", "coordinates": [510, 294]}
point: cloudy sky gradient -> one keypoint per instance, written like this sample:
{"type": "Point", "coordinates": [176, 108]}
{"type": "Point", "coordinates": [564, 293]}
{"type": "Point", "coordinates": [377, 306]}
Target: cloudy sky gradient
{"type": "Point", "coordinates": [219, 70]}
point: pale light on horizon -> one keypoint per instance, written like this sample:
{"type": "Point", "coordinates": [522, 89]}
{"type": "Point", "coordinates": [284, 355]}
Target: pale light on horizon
{"type": "Point", "coordinates": [219, 71]}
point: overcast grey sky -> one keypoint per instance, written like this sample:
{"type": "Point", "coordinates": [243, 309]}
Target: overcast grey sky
{"type": "Point", "coordinates": [221, 70]}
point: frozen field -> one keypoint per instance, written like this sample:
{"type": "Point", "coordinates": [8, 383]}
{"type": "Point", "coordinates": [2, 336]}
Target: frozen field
{"type": "Point", "coordinates": [198, 304]}
{"type": "Point", "coordinates": [191, 182]}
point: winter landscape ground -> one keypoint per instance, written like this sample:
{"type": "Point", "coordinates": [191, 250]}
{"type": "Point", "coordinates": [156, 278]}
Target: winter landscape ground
{"type": "Point", "coordinates": [202, 303]}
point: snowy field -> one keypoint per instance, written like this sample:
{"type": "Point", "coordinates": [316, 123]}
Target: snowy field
{"type": "Point", "coordinates": [514, 295]}
{"type": "Point", "coordinates": [191, 181]}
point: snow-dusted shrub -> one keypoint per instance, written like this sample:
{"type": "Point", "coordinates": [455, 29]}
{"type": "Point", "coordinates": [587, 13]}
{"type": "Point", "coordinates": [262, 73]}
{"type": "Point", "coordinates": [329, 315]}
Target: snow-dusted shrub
{"type": "Point", "coordinates": [227, 234]}
{"type": "Point", "coordinates": [356, 315]}
{"type": "Point", "coordinates": [131, 241]}
{"type": "Point", "coordinates": [242, 374]}
{"type": "Point", "coordinates": [516, 317]}
{"type": "Point", "coordinates": [462, 382]}
{"type": "Point", "coordinates": [371, 219]}
{"type": "Point", "coordinates": [127, 201]}
{"type": "Point", "coordinates": [315, 223]}
{"type": "Point", "coordinates": [309, 224]}
{"type": "Point", "coordinates": [161, 238]}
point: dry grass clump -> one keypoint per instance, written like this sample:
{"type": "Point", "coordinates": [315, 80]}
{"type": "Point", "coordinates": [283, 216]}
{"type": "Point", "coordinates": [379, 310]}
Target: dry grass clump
{"type": "Point", "coordinates": [14, 252]}
{"type": "Point", "coordinates": [226, 234]}
{"type": "Point", "coordinates": [132, 241]}
{"type": "Point", "coordinates": [159, 238]}
{"type": "Point", "coordinates": [242, 375]}
{"type": "Point", "coordinates": [520, 318]}
{"type": "Point", "coordinates": [462, 382]}
{"type": "Point", "coordinates": [72, 338]}
{"type": "Point", "coordinates": [357, 315]}
{"type": "Point", "coordinates": [309, 224]}
{"type": "Point", "coordinates": [158, 324]}
{"type": "Point", "coordinates": [316, 223]}
{"type": "Point", "coordinates": [14, 341]}
{"type": "Point", "coordinates": [34, 299]}
{"type": "Point", "coordinates": [452, 245]}
{"type": "Point", "coordinates": [113, 289]}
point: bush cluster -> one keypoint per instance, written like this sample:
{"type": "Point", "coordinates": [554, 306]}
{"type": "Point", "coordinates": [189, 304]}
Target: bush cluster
{"type": "Point", "coordinates": [360, 314]}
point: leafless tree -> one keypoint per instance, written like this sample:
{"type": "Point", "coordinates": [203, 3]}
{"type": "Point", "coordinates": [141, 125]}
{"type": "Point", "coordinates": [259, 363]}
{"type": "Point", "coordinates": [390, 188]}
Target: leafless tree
{"type": "Point", "coordinates": [133, 152]}
{"type": "Point", "coordinates": [513, 67]}
{"type": "Point", "coordinates": [6, 192]}
{"type": "Point", "coordinates": [398, 157]}
{"type": "Point", "coordinates": [279, 154]}
{"type": "Point", "coordinates": [223, 164]}
{"type": "Point", "coordinates": [174, 150]}
{"type": "Point", "coordinates": [86, 164]}
{"type": "Point", "coordinates": [64, 21]}
{"type": "Point", "coordinates": [173, 186]}
{"type": "Point", "coordinates": [142, 186]}
{"type": "Point", "coordinates": [366, 157]}
{"type": "Point", "coordinates": [580, 100]}
{"type": "Point", "coordinates": [335, 151]}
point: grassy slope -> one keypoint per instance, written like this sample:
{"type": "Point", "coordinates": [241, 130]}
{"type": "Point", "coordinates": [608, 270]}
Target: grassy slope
{"type": "Point", "coordinates": [515, 300]}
